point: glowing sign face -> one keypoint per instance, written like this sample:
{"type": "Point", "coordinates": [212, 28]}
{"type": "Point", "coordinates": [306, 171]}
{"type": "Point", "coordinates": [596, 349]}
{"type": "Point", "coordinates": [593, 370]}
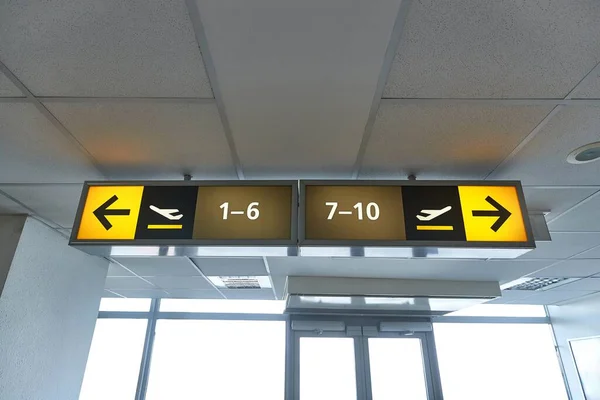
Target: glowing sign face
{"type": "Point", "coordinates": [397, 212]}
{"type": "Point", "coordinates": [352, 213]}
{"type": "Point", "coordinates": [173, 214]}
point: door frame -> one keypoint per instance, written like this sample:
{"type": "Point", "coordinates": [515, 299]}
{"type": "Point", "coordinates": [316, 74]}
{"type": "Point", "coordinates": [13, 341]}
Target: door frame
{"type": "Point", "coordinates": [360, 331]}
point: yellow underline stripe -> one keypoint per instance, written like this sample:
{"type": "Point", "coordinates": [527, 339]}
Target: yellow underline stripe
{"type": "Point", "coordinates": [435, 228]}
{"type": "Point", "coordinates": [165, 226]}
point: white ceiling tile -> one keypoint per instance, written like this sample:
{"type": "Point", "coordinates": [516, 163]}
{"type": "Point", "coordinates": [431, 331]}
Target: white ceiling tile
{"type": "Point", "coordinates": [573, 268]}
{"type": "Point", "coordinates": [591, 284]}
{"type": "Point", "coordinates": [159, 266]}
{"type": "Point", "coordinates": [564, 245]}
{"type": "Point", "coordinates": [593, 253]}
{"type": "Point", "coordinates": [126, 283]}
{"type": "Point", "coordinates": [180, 282]}
{"type": "Point", "coordinates": [249, 294]}
{"type": "Point", "coordinates": [543, 161]}
{"type": "Point", "coordinates": [501, 48]}
{"type": "Point", "coordinates": [143, 294]}
{"type": "Point", "coordinates": [584, 217]}
{"type": "Point", "coordinates": [555, 200]}
{"type": "Point", "coordinates": [549, 297]}
{"type": "Point", "coordinates": [115, 270]}
{"type": "Point", "coordinates": [590, 88]}
{"type": "Point", "coordinates": [446, 141]}
{"type": "Point", "coordinates": [297, 78]}
{"type": "Point", "coordinates": [109, 294]}
{"type": "Point", "coordinates": [500, 270]}
{"type": "Point", "coordinates": [237, 266]}
{"type": "Point", "coordinates": [194, 294]}
{"type": "Point", "coordinates": [150, 140]}
{"type": "Point", "coordinates": [7, 89]}
{"type": "Point", "coordinates": [32, 150]}
{"type": "Point", "coordinates": [7, 206]}
{"type": "Point", "coordinates": [511, 295]}
{"type": "Point", "coordinates": [56, 203]}
{"type": "Point", "coordinates": [109, 48]}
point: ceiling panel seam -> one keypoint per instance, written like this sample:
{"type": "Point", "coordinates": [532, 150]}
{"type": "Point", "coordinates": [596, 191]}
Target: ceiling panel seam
{"type": "Point", "coordinates": [211, 73]}
{"type": "Point", "coordinates": [564, 259]}
{"type": "Point", "coordinates": [268, 269]}
{"type": "Point", "coordinates": [204, 276]}
{"type": "Point", "coordinates": [544, 121]}
{"type": "Point", "coordinates": [50, 117]}
{"type": "Point", "coordinates": [530, 136]}
{"type": "Point", "coordinates": [578, 204]}
{"type": "Point", "coordinates": [115, 293]}
{"type": "Point", "coordinates": [429, 101]}
{"type": "Point", "coordinates": [146, 100]}
{"type": "Point", "coordinates": [31, 212]}
{"type": "Point", "coordinates": [384, 73]}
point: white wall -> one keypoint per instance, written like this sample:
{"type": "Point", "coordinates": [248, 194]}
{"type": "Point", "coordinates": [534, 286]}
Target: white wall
{"type": "Point", "coordinates": [48, 311]}
{"type": "Point", "coordinates": [575, 320]}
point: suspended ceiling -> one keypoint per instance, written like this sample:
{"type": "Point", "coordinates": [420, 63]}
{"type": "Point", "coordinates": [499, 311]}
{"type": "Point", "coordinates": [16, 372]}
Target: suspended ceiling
{"type": "Point", "coordinates": [262, 89]}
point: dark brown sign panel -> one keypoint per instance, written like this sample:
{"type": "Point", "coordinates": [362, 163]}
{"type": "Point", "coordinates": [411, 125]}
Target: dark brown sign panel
{"type": "Point", "coordinates": [249, 212]}
{"type": "Point", "coordinates": [354, 213]}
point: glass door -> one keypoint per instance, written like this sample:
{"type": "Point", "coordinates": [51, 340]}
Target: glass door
{"type": "Point", "coordinates": [396, 367]}
{"type": "Point", "coordinates": [327, 368]}
{"type": "Point", "coordinates": [358, 362]}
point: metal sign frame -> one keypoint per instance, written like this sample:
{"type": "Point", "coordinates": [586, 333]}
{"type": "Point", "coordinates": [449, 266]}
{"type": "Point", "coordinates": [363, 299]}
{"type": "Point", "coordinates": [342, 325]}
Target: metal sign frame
{"type": "Point", "coordinates": [188, 242]}
{"type": "Point", "coordinates": [303, 241]}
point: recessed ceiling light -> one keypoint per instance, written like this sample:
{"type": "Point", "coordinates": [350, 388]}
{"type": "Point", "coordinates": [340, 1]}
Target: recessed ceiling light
{"type": "Point", "coordinates": [585, 154]}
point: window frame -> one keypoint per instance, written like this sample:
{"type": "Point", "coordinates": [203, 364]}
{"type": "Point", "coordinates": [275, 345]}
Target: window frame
{"type": "Point", "coordinates": [292, 341]}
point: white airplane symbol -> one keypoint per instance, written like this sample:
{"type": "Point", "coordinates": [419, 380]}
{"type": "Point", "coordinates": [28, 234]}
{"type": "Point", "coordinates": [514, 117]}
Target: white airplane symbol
{"type": "Point", "coordinates": [431, 214]}
{"type": "Point", "coordinates": [167, 213]}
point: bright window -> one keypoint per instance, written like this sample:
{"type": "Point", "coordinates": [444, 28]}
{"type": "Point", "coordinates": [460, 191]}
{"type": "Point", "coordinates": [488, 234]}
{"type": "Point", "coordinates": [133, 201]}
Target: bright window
{"type": "Point", "coordinates": [501, 310]}
{"type": "Point", "coordinates": [114, 360]}
{"type": "Point", "coordinates": [397, 370]}
{"type": "Point", "coordinates": [498, 362]}
{"type": "Point", "coordinates": [327, 369]}
{"type": "Point", "coordinates": [120, 304]}
{"type": "Point", "coordinates": [218, 360]}
{"type": "Point", "coordinates": [223, 306]}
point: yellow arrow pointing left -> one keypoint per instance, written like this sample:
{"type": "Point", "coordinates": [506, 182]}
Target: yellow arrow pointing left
{"type": "Point", "coordinates": [122, 226]}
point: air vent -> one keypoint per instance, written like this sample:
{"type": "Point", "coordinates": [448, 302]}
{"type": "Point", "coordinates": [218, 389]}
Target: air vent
{"type": "Point", "coordinates": [241, 282]}
{"type": "Point", "coordinates": [536, 283]}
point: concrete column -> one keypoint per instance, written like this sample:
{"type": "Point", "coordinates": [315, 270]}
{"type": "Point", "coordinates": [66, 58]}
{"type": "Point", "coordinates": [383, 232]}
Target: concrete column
{"type": "Point", "coordinates": [49, 299]}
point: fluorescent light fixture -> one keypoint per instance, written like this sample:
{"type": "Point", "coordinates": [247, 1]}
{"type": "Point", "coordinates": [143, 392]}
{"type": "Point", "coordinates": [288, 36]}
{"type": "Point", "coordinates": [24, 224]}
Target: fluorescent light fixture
{"type": "Point", "coordinates": [390, 252]}
{"type": "Point", "coordinates": [245, 251]}
{"type": "Point", "coordinates": [318, 251]}
{"type": "Point", "coordinates": [446, 252]}
{"type": "Point", "coordinates": [124, 251]}
{"type": "Point", "coordinates": [326, 300]}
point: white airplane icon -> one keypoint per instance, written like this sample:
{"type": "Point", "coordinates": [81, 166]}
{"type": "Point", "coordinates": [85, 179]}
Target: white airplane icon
{"type": "Point", "coordinates": [168, 213]}
{"type": "Point", "coordinates": [431, 214]}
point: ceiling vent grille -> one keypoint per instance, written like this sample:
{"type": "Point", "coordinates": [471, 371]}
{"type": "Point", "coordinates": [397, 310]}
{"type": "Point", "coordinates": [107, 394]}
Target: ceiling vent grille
{"type": "Point", "coordinates": [536, 283]}
{"type": "Point", "coordinates": [241, 282]}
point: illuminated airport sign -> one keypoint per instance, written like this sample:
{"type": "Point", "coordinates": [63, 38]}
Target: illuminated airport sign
{"type": "Point", "coordinates": [168, 213]}
{"type": "Point", "coordinates": [413, 213]}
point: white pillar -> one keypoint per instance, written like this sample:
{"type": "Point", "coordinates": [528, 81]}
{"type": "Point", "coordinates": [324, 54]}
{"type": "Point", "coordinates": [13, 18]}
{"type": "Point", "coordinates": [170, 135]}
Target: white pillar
{"type": "Point", "coordinates": [49, 298]}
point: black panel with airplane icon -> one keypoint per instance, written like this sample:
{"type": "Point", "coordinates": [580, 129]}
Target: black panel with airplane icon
{"type": "Point", "coordinates": [433, 213]}
{"type": "Point", "coordinates": [167, 212]}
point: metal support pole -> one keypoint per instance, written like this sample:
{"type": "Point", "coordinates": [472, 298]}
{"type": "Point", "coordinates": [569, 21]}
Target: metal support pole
{"type": "Point", "coordinates": [142, 384]}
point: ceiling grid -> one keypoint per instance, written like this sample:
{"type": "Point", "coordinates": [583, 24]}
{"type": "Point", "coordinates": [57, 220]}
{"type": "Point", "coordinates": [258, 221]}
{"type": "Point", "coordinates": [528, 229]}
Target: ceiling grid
{"type": "Point", "coordinates": [267, 89]}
